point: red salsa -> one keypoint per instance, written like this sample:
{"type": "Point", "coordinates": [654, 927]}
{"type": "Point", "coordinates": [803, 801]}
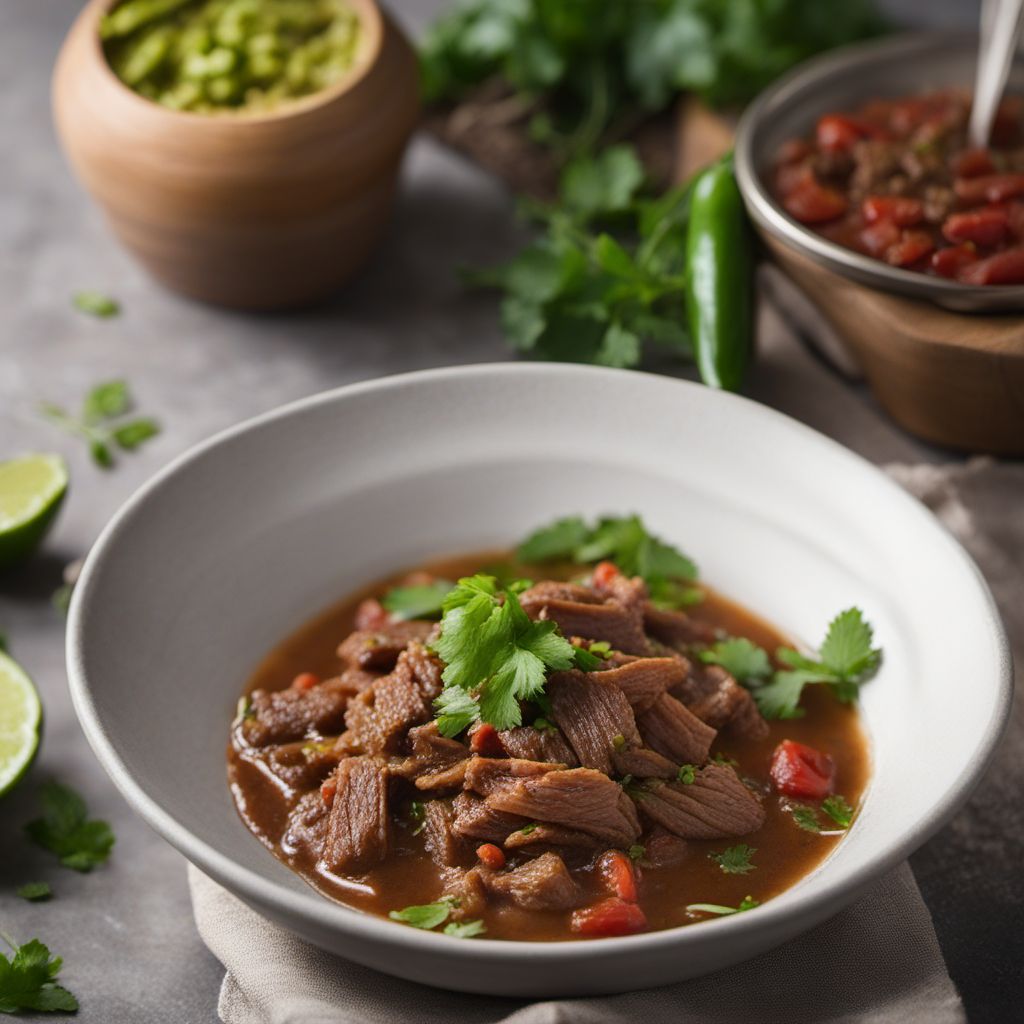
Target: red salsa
{"type": "Point", "coordinates": [896, 180]}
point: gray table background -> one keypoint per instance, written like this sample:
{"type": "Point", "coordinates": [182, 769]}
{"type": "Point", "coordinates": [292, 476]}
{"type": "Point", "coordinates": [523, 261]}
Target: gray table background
{"type": "Point", "coordinates": [126, 931]}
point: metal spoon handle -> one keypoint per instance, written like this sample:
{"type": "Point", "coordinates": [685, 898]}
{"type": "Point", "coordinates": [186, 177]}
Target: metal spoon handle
{"type": "Point", "coordinates": [1001, 22]}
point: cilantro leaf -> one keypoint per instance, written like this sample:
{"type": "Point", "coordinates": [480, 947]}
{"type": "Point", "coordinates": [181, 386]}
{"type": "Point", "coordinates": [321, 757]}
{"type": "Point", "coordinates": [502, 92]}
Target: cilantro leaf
{"type": "Point", "coordinates": [747, 903]}
{"type": "Point", "coordinates": [464, 929]}
{"type": "Point", "coordinates": [64, 829]}
{"type": "Point", "coordinates": [636, 851]}
{"type": "Point", "coordinates": [602, 184]}
{"type": "Point", "coordinates": [847, 650]}
{"type": "Point", "coordinates": [781, 697]}
{"type": "Point", "coordinates": [96, 304]}
{"type": "Point", "coordinates": [28, 980]}
{"type": "Point", "coordinates": [687, 774]}
{"type": "Point", "coordinates": [741, 658]}
{"type": "Point", "coordinates": [427, 915]}
{"type": "Point", "coordinates": [736, 859]}
{"type": "Point", "coordinates": [130, 435]}
{"type": "Point", "coordinates": [423, 601]}
{"type": "Point", "coordinates": [805, 817]}
{"type": "Point", "coordinates": [838, 809]}
{"type": "Point", "coordinates": [107, 400]}
{"type": "Point", "coordinates": [35, 892]}
{"type": "Point", "coordinates": [555, 541]}
{"type": "Point", "coordinates": [494, 653]}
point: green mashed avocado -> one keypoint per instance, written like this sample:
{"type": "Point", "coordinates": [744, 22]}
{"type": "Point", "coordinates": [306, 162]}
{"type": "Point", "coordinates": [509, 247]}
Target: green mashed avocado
{"type": "Point", "coordinates": [221, 55]}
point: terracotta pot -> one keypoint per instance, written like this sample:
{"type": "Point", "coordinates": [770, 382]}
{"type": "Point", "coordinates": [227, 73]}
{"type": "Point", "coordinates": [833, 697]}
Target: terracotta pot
{"type": "Point", "coordinates": [251, 211]}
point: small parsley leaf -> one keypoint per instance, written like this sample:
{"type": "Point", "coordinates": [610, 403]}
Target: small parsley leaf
{"type": "Point", "coordinates": [687, 774]}
{"type": "Point", "coordinates": [28, 980]}
{"type": "Point", "coordinates": [736, 859]}
{"type": "Point", "coordinates": [464, 929]}
{"type": "Point", "coordinates": [96, 304]}
{"type": "Point", "coordinates": [65, 830]}
{"type": "Point", "coordinates": [741, 658]}
{"type": "Point", "coordinates": [747, 903]}
{"type": "Point", "coordinates": [35, 892]}
{"type": "Point", "coordinates": [423, 601]}
{"type": "Point", "coordinates": [427, 915]}
{"type": "Point", "coordinates": [558, 540]}
{"type": "Point", "coordinates": [636, 851]}
{"type": "Point", "coordinates": [805, 817]}
{"type": "Point", "coordinates": [838, 809]}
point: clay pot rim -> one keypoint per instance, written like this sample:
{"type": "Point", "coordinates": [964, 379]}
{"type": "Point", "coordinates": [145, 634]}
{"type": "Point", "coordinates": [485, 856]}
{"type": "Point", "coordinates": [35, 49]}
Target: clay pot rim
{"type": "Point", "coordinates": [372, 29]}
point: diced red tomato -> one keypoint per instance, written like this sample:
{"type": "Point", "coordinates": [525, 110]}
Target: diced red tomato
{"type": "Point", "coordinates": [801, 771]}
{"type": "Point", "coordinates": [972, 162]}
{"type": "Point", "coordinates": [491, 856]}
{"type": "Point", "coordinates": [903, 211]}
{"type": "Point", "coordinates": [912, 247]}
{"type": "Point", "coordinates": [813, 203]}
{"type": "Point", "coordinates": [608, 918]}
{"type": "Point", "coordinates": [328, 788]}
{"type": "Point", "coordinates": [989, 188]}
{"type": "Point", "coordinates": [485, 741]}
{"type": "Point", "coordinates": [1006, 267]}
{"type": "Point", "coordinates": [837, 132]}
{"type": "Point", "coordinates": [877, 238]}
{"type": "Point", "coordinates": [790, 177]}
{"type": "Point", "coordinates": [617, 870]}
{"type": "Point", "coordinates": [951, 259]}
{"type": "Point", "coordinates": [988, 226]}
{"type": "Point", "coordinates": [604, 574]}
{"type": "Point", "coordinates": [305, 681]}
{"type": "Point", "coordinates": [371, 614]}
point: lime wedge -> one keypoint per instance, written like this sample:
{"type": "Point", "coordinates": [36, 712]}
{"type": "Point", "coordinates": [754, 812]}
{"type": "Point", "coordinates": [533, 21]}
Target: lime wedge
{"type": "Point", "coordinates": [21, 716]}
{"type": "Point", "coordinates": [31, 490]}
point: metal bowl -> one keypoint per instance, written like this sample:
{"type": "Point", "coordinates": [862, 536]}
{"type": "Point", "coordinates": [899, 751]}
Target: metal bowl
{"type": "Point", "coordinates": [842, 80]}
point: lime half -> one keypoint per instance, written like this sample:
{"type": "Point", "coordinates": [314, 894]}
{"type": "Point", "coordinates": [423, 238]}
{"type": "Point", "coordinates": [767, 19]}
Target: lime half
{"type": "Point", "coordinates": [31, 490]}
{"type": "Point", "coordinates": [21, 717]}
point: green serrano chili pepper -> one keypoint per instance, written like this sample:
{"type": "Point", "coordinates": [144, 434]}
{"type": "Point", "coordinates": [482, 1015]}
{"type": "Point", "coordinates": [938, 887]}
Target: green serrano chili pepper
{"type": "Point", "coordinates": [719, 277]}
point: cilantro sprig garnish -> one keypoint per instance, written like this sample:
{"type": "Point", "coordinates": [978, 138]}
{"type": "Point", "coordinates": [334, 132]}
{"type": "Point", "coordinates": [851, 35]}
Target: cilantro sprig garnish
{"type": "Point", "coordinates": [736, 860]}
{"type": "Point", "coordinates": [28, 980]}
{"type": "Point", "coordinates": [747, 903]}
{"type": "Point", "coordinates": [838, 809]}
{"type": "Point", "coordinates": [104, 422]}
{"type": "Point", "coordinates": [494, 656]}
{"type": "Point", "coordinates": [66, 830]}
{"type": "Point", "coordinates": [846, 660]}
{"type": "Point", "coordinates": [96, 304]}
{"type": "Point", "coordinates": [35, 892]}
{"type": "Point", "coordinates": [624, 540]}
{"type": "Point", "coordinates": [422, 601]}
{"type": "Point", "coordinates": [429, 915]}
{"type": "Point", "coordinates": [805, 816]}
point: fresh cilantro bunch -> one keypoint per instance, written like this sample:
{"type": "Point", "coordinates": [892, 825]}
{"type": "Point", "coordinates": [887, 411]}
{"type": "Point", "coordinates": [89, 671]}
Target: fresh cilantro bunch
{"type": "Point", "coordinates": [494, 656]}
{"type": "Point", "coordinates": [588, 67]}
{"type": "Point", "coordinates": [845, 660]}
{"type": "Point", "coordinates": [28, 980]}
{"type": "Point", "coordinates": [104, 422]}
{"type": "Point", "coordinates": [606, 274]}
{"type": "Point", "coordinates": [624, 540]}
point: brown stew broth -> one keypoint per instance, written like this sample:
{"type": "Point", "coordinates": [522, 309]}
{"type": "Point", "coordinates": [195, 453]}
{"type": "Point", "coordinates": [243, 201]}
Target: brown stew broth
{"type": "Point", "coordinates": [785, 852]}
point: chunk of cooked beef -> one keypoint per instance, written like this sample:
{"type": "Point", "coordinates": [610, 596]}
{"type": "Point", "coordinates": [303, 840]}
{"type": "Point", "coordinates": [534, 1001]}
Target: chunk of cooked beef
{"type": "Point", "coordinates": [476, 819]}
{"type": "Point", "coordinates": [629, 591]}
{"type": "Point", "coordinates": [379, 718]}
{"type": "Point", "coordinates": [670, 729]}
{"type": "Point", "coordinates": [534, 598]}
{"type": "Point", "coordinates": [543, 883]}
{"type": "Point", "coordinates": [578, 798]}
{"type": "Point", "coordinates": [378, 649]}
{"type": "Point", "coordinates": [608, 620]}
{"type": "Point", "coordinates": [439, 837]}
{"type": "Point", "coordinates": [282, 716]}
{"type": "Point", "coordinates": [677, 629]}
{"type": "Point", "coordinates": [716, 805]}
{"type": "Point", "coordinates": [301, 765]}
{"type": "Point", "coordinates": [547, 744]}
{"type": "Point", "coordinates": [307, 826]}
{"type": "Point", "coordinates": [542, 836]}
{"type": "Point", "coordinates": [452, 777]}
{"type": "Point", "coordinates": [430, 752]}
{"type": "Point", "coordinates": [358, 830]}
{"type": "Point", "coordinates": [645, 764]}
{"type": "Point", "coordinates": [716, 698]}
{"type": "Point", "coordinates": [644, 680]}
{"type": "Point", "coordinates": [662, 849]}
{"type": "Point", "coordinates": [424, 667]}
{"type": "Point", "coordinates": [484, 775]}
{"type": "Point", "coordinates": [594, 716]}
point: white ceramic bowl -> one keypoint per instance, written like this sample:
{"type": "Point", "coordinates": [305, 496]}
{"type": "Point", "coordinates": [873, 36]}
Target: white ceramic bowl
{"type": "Point", "coordinates": [242, 539]}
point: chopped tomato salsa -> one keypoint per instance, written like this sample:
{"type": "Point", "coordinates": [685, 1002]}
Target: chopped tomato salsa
{"type": "Point", "coordinates": [897, 180]}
